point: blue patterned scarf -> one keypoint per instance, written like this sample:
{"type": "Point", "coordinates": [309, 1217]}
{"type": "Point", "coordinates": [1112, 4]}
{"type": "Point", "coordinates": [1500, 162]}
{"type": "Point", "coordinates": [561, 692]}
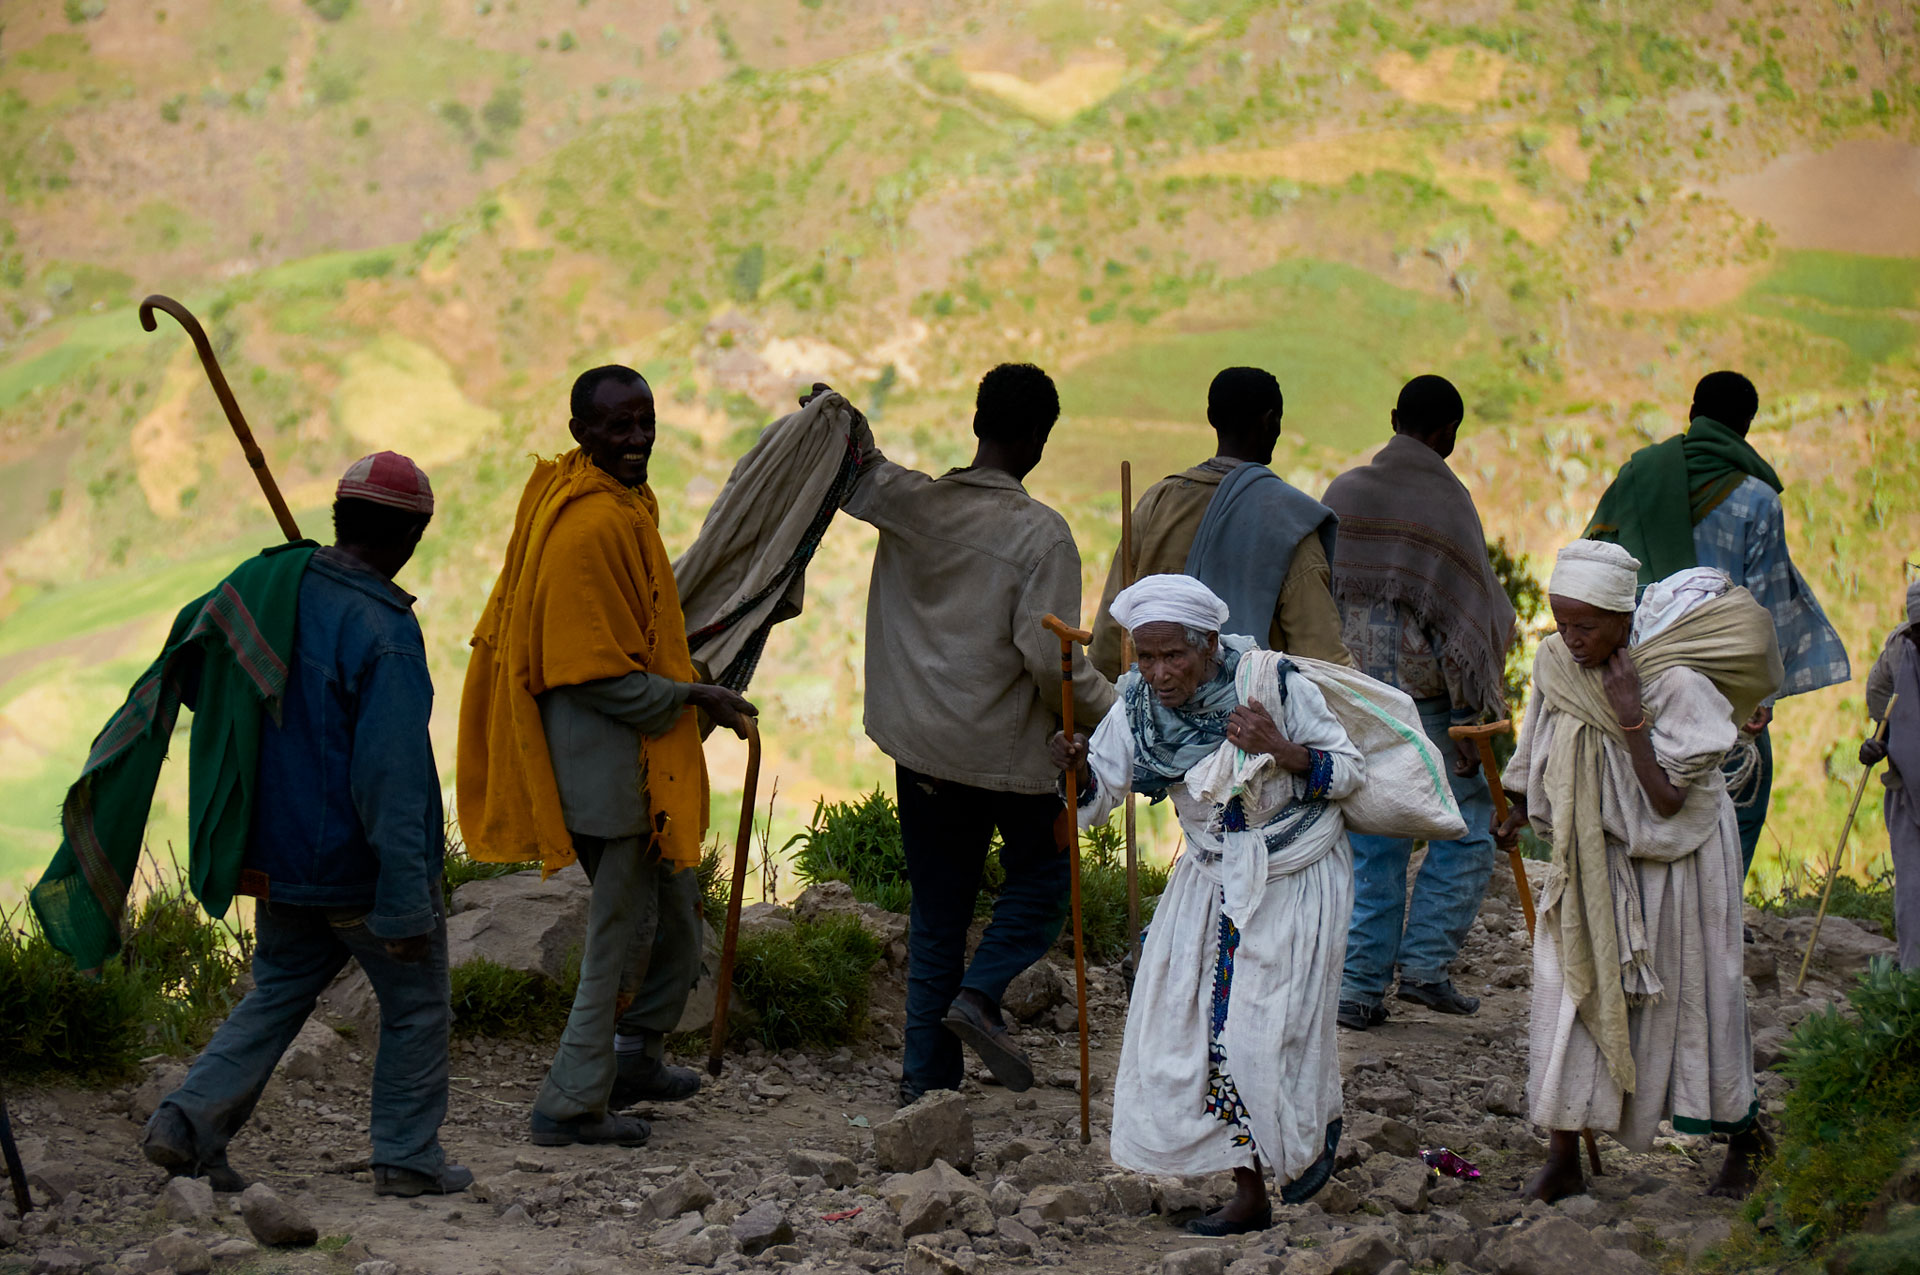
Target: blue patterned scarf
{"type": "Point", "coordinates": [1168, 742]}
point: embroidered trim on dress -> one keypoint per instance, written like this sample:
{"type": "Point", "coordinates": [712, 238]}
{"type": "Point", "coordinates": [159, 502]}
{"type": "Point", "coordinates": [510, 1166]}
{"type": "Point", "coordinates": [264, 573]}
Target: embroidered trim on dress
{"type": "Point", "coordinates": [1223, 1097]}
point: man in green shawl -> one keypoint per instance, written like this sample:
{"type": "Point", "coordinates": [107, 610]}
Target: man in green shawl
{"type": "Point", "coordinates": [1706, 498]}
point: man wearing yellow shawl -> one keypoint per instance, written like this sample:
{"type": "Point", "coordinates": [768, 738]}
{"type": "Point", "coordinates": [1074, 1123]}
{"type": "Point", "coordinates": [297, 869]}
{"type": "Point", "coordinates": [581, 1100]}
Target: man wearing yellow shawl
{"type": "Point", "coordinates": [1639, 1008]}
{"type": "Point", "coordinates": [576, 742]}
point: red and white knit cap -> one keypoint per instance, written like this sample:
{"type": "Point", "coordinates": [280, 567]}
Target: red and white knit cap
{"type": "Point", "coordinates": [388, 478]}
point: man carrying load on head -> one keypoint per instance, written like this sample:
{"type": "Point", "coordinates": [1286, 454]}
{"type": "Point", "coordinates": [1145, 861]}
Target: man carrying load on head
{"type": "Point", "coordinates": [1422, 610]}
{"type": "Point", "coordinates": [1261, 544]}
{"type": "Point", "coordinates": [1639, 1004]}
{"type": "Point", "coordinates": [577, 740]}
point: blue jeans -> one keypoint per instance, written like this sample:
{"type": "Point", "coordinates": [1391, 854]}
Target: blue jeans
{"type": "Point", "coordinates": [1446, 897]}
{"type": "Point", "coordinates": [297, 952]}
{"type": "Point", "coordinates": [1751, 799]}
{"type": "Point", "coordinates": [945, 829]}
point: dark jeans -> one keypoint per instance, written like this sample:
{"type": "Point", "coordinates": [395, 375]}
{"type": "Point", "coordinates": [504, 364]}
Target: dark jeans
{"type": "Point", "coordinates": [1751, 799]}
{"type": "Point", "coordinates": [945, 828]}
{"type": "Point", "coordinates": [297, 951]}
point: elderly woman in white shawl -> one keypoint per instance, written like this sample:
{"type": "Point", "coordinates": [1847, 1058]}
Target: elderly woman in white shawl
{"type": "Point", "coordinates": [1639, 1011]}
{"type": "Point", "coordinates": [1229, 1058]}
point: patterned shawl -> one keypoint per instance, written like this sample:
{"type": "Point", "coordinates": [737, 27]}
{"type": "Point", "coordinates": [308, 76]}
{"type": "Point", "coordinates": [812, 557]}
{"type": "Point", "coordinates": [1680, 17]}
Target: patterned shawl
{"type": "Point", "coordinates": [1168, 742]}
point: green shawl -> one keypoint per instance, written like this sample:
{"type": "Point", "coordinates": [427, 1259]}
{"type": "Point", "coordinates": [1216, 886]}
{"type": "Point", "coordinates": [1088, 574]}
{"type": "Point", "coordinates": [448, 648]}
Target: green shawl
{"type": "Point", "coordinates": [1730, 640]}
{"type": "Point", "coordinates": [237, 639]}
{"type": "Point", "coordinates": [1663, 491]}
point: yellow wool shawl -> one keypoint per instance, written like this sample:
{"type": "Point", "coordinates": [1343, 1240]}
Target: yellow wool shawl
{"type": "Point", "coordinates": [586, 592]}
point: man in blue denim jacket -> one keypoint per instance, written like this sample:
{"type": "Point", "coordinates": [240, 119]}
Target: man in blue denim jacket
{"type": "Point", "coordinates": [344, 855]}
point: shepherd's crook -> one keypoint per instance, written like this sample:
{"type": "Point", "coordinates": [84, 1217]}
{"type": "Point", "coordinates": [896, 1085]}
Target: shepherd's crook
{"type": "Point", "coordinates": [1840, 851]}
{"type": "Point", "coordinates": [1058, 627]}
{"type": "Point", "coordinates": [736, 889]}
{"type": "Point", "coordinates": [281, 513]}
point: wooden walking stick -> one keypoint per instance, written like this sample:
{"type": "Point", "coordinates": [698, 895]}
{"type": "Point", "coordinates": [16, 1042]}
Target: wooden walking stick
{"type": "Point", "coordinates": [1840, 851]}
{"type": "Point", "coordinates": [281, 513]}
{"type": "Point", "coordinates": [730, 938]}
{"type": "Point", "coordinates": [16, 1172]}
{"type": "Point", "coordinates": [1126, 660]}
{"type": "Point", "coordinates": [1068, 636]}
{"type": "Point", "coordinates": [1482, 737]}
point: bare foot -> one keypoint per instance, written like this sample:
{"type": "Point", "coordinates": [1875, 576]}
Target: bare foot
{"type": "Point", "coordinates": [1738, 1176]}
{"type": "Point", "coordinates": [1561, 1175]}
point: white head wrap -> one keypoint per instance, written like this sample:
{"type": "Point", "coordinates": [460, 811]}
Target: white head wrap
{"type": "Point", "coordinates": [1169, 599]}
{"type": "Point", "coordinates": [1597, 573]}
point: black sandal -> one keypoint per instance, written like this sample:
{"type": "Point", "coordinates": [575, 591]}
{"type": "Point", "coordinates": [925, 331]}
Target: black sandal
{"type": "Point", "coordinates": [1214, 1226]}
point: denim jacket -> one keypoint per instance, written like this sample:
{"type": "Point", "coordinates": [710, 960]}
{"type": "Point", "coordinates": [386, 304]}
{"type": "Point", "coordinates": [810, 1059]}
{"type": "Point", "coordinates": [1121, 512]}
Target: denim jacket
{"type": "Point", "coordinates": [348, 813]}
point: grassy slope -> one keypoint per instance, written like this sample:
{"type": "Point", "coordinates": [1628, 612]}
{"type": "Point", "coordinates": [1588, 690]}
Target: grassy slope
{"type": "Point", "coordinates": [915, 228]}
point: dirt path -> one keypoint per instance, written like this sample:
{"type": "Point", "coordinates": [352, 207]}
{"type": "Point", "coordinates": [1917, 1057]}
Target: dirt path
{"type": "Point", "coordinates": [1036, 1198]}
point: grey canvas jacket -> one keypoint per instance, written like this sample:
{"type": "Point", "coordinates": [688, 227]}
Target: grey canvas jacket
{"type": "Point", "coordinates": [593, 736]}
{"type": "Point", "coordinates": [962, 682]}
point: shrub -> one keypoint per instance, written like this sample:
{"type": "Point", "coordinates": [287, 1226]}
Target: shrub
{"type": "Point", "coordinates": [188, 965]}
{"type": "Point", "coordinates": [1103, 893]}
{"type": "Point", "coordinates": [807, 985]}
{"type": "Point", "coordinates": [492, 1000]}
{"type": "Point", "coordinates": [858, 843]}
{"type": "Point", "coordinates": [1853, 1113]}
{"type": "Point", "coordinates": [1800, 890]}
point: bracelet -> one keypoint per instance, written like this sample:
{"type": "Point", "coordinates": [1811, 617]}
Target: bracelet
{"type": "Point", "coordinates": [1639, 725]}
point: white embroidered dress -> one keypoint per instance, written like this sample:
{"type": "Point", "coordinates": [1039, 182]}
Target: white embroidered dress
{"type": "Point", "coordinates": [1230, 1049]}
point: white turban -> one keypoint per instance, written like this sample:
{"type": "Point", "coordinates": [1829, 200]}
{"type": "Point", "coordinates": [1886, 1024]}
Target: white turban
{"type": "Point", "coordinates": [1596, 572]}
{"type": "Point", "coordinates": [1169, 599]}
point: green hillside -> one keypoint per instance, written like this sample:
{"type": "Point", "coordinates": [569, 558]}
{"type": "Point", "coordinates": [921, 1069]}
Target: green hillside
{"type": "Point", "coordinates": [410, 226]}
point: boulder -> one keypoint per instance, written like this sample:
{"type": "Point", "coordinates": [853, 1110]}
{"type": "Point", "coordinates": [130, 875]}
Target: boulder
{"type": "Point", "coordinates": [181, 1254]}
{"type": "Point", "coordinates": [58, 1179]}
{"type": "Point", "coordinates": [1194, 1261]}
{"type": "Point", "coordinates": [521, 922]}
{"type": "Point", "coordinates": [922, 1260]}
{"type": "Point", "coordinates": [938, 1178]}
{"type": "Point", "coordinates": [937, 1127]}
{"type": "Point", "coordinates": [1763, 967]}
{"type": "Point", "coordinates": [1549, 1246]}
{"type": "Point", "coordinates": [1842, 946]}
{"type": "Point", "coordinates": [275, 1222]}
{"type": "Point", "coordinates": [314, 1053]}
{"type": "Point", "coordinates": [698, 1014]}
{"type": "Point", "coordinates": [761, 1227]}
{"type": "Point", "coordinates": [922, 1212]}
{"type": "Point", "coordinates": [766, 918]}
{"type": "Point", "coordinates": [1400, 1184]}
{"type": "Point", "coordinates": [687, 1192]}
{"type": "Point", "coordinates": [1034, 991]}
{"type": "Point", "coordinates": [153, 1091]}
{"type": "Point", "coordinates": [835, 898]}
{"type": "Point", "coordinates": [832, 1167]}
{"type": "Point", "coordinates": [1382, 1134]}
{"type": "Point", "coordinates": [1132, 1195]}
{"type": "Point", "coordinates": [1058, 1202]}
{"type": "Point", "coordinates": [188, 1200]}
{"type": "Point", "coordinates": [1367, 1252]}
{"type": "Point", "coordinates": [1768, 1045]}
{"type": "Point", "coordinates": [64, 1260]}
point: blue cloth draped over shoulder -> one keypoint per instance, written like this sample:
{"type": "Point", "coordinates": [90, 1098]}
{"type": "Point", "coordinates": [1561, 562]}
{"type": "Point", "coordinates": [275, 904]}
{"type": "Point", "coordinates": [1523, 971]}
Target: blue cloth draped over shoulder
{"type": "Point", "coordinates": [1168, 742]}
{"type": "Point", "coordinates": [1246, 541]}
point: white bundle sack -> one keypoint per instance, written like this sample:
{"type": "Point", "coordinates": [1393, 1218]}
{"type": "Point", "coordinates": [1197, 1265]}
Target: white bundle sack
{"type": "Point", "coordinates": [1407, 792]}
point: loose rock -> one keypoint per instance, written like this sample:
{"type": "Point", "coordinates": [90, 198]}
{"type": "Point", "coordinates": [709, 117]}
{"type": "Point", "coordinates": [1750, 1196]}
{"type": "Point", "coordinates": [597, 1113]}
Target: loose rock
{"type": "Point", "coordinates": [275, 1222]}
{"type": "Point", "coordinates": [1550, 1246]}
{"type": "Point", "coordinates": [937, 1127]}
{"type": "Point", "coordinates": [181, 1254]}
{"type": "Point", "coordinates": [1194, 1261]}
{"type": "Point", "coordinates": [685, 1193]}
{"type": "Point", "coordinates": [188, 1200]}
{"type": "Point", "coordinates": [761, 1227]}
{"type": "Point", "coordinates": [832, 1167]}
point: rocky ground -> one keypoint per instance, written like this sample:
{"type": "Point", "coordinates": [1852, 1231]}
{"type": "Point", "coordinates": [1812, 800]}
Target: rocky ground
{"type": "Point", "coordinates": [798, 1162]}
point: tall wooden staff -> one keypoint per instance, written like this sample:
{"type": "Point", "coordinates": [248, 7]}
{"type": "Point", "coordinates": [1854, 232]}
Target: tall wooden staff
{"type": "Point", "coordinates": [1840, 851]}
{"type": "Point", "coordinates": [1126, 659]}
{"type": "Point", "coordinates": [1068, 636]}
{"type": "Point", "coordinates": [281, 513]}
{"type": "Point", "coordinates": [730, 939]}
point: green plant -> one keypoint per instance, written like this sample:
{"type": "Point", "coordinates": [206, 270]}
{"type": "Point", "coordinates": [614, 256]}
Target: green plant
{"type": "Point", "coordinates": [491, 1000]}
{"type": "Point", "coordinates": [458, 868]}
{"type": "Point", "coordinates": [1799, 895]}
{"type": "Point", "coordinates": [806, 985]}
{"type": "Point", "coordinates": [715, 884]}
{"type": "Point", "coordinates": [1853, 1112]}
{"type": "Point", "coordinates": [858, 843]}
{"type": "Point", "coordinates": [1103, 892]}
{"type": "Point", "coordinates": [188, 965]}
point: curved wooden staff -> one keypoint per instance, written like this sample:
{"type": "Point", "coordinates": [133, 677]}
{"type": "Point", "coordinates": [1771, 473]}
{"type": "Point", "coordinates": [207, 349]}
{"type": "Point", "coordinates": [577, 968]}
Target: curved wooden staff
{"type": "Point", "coordinates": [1068, 636]}
{"type": "Point", "coordinates": [731, 937]}
{"type": "Point", "coordinates": [281, 513]}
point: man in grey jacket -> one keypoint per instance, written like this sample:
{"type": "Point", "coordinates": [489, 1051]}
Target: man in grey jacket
{"type": "Point", "coordinates": [963, 691]}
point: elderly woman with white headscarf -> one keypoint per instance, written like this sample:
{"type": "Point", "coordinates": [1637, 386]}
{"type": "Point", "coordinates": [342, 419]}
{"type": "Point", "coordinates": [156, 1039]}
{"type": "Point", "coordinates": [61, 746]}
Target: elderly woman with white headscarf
{"type": "Point", "coordinates": [1639, 1009]}
{"type": "Point", "coordinates": [1229, 1058]}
